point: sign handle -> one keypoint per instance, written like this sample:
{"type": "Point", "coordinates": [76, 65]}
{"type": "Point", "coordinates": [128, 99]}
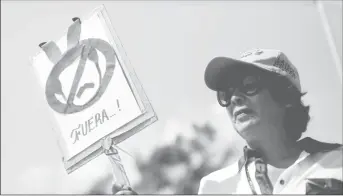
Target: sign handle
{"type": "Point", "coordinates": [119, 175]}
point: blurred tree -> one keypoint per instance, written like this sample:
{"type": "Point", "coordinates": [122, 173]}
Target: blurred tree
{"type": "Point", "coordinates": [176, 168]}
{"type": "Point", "coordinates": [179, 167]}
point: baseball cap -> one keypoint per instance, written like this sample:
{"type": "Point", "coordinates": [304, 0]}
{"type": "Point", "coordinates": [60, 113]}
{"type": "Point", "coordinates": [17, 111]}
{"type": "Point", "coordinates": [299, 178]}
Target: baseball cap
{"type": "Point", "coordinates": [221, 71]}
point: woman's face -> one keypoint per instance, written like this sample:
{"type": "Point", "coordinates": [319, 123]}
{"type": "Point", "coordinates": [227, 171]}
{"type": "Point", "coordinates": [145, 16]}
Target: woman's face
{"type": "Point", "coordinates": [252, 110]}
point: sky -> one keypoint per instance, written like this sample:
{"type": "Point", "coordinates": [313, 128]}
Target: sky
{"type": "Point", "coordinates": [169, 45]}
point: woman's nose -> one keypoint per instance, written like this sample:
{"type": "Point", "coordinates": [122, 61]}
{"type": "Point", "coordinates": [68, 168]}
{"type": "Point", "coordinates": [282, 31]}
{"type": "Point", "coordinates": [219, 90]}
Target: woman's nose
{"type": "Point", "coordinates": [237, 98]}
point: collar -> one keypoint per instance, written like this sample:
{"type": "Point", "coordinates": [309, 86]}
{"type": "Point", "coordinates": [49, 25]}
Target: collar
{"type": "Point", "coordinates": [307, 144]}
{"type": "Point", "coordinates": [247, 154]}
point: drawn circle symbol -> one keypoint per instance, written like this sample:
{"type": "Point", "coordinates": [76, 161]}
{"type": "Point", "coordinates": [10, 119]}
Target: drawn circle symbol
{"type": "Point", "coordinates": [53, 85]}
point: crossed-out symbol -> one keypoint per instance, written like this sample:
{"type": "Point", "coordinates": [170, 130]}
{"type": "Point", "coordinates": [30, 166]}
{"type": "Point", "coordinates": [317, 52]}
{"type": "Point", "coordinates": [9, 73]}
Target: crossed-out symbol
{"type": "Point", "coordinates": [87, 50]}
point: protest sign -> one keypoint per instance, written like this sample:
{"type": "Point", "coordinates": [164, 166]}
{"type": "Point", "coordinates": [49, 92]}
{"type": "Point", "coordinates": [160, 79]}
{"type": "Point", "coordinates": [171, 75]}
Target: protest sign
{"type": "Point", "coordinates": [91, 89]}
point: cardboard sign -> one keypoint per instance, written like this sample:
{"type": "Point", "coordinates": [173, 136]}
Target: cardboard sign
{"type": "Point", "coordinates": [90, 88]}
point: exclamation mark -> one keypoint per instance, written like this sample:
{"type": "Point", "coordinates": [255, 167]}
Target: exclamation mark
{"type": "Point", "coordinates": [118, 105]}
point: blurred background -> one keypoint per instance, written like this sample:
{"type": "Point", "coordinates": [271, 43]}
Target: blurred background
{"type": "Point", "coordinates": [169, 45]}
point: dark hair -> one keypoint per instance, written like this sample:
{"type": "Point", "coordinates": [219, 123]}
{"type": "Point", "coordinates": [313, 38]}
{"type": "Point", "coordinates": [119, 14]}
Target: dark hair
{"type": "Point", "coordinates": [297, 114]}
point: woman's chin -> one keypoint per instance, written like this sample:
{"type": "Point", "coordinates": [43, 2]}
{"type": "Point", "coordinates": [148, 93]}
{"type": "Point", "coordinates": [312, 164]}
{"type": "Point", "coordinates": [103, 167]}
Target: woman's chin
{"type": "Point", "coordinates": [246, 126]}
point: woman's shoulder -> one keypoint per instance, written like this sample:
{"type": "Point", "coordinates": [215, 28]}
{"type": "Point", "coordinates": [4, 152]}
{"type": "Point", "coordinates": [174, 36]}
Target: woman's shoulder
{"type": "Point", "coordinates": [220, 180]}
{"type": "Point", "coordinates": [325, 154]}
{"type": "Point", "coordinates": [229, 171]}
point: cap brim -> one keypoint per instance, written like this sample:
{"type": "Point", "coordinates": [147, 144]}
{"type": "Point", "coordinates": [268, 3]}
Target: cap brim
{"type": "Point", "coordinates": [222, 71]}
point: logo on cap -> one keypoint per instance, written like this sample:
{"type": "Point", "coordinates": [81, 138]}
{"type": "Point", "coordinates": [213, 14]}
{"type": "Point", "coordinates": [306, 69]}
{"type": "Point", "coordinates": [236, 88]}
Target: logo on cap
{"type": "Point", "coordinates": [284, 66]}
{"type": "Point", "coordinates": [252, 52]}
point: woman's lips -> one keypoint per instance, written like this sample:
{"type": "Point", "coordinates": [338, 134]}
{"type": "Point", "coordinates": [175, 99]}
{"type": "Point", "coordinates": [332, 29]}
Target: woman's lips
{"type": "Point", "coordinates": [240, 113]}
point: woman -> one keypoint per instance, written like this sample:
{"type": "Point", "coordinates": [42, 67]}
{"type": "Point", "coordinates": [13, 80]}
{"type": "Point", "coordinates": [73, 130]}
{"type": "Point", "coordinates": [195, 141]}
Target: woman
{"type": "Point", "coordinates": [262, 95]}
